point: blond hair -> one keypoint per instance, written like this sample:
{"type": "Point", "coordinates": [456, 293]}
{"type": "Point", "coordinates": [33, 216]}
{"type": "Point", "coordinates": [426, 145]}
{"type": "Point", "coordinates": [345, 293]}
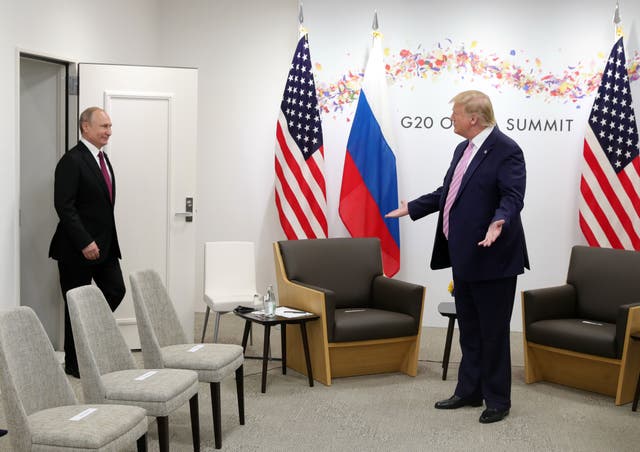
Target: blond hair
{"type": "Point", "coordinates": [478, 103]}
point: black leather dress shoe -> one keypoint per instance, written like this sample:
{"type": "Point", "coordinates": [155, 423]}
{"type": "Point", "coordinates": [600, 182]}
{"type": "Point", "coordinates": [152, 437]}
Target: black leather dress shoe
{"type": "Point", "coordinates": [454, 402]}
{"type": "Point", "coordinates": [493, 415]}
{"type": "Point", "coordinates": [73, 371]}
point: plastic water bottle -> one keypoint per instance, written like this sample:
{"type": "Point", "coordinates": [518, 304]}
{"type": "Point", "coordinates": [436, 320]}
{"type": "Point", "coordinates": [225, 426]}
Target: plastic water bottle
{"type": "Point", "coordinates": [270, 303]}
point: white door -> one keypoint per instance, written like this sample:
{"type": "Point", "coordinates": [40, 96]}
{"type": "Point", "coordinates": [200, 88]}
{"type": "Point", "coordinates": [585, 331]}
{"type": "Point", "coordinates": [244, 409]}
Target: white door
{"type": "Point", "coordinates": [153, 153]}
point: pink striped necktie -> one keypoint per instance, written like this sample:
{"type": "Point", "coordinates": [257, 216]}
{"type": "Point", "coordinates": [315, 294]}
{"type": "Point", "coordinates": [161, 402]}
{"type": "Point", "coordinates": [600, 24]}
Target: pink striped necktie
{"type": "Point", "coordinates": [105, 174]}
{"type": "Point", "coordinates": [454, 187]}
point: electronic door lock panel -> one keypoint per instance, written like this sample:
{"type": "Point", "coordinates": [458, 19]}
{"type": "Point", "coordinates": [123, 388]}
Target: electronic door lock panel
{"type": "Point", "coordinates": [188, 210]}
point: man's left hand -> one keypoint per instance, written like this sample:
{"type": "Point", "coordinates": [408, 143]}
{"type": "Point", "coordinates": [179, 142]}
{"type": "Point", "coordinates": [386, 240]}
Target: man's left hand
{"type": "Point", "coordinates": [493, 233]}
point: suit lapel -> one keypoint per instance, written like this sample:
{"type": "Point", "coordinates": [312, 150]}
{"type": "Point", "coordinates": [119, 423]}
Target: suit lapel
{"type": "Point", "coordinates": [481, 154]}
{"type": "Point", "coordinates": [93, 166]}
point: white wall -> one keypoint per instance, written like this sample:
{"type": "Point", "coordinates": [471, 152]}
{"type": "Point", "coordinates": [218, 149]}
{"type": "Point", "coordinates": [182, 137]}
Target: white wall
{"type": "Point", "coordinates": [118, 31]}
{"type": "Point", "coordinates": [243, 50]}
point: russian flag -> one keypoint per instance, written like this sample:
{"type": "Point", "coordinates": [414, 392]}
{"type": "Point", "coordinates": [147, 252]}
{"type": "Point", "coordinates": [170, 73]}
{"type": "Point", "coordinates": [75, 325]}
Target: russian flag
{"type": "Point", "coordinates": [369, 180]}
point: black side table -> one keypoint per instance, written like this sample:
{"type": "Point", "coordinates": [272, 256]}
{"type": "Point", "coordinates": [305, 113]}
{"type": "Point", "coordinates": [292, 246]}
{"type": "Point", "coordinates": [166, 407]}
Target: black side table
{"type": "Point", "coordinates": [268, 322]}
{"type": "Point", "coordinates": [447, 309]}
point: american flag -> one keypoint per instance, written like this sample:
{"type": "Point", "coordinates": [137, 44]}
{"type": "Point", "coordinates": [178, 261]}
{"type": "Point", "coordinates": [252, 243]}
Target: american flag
{"type": "Point", "coordinates": [610, 184]}
{"type": "Point", "coordinates": [300, 188]}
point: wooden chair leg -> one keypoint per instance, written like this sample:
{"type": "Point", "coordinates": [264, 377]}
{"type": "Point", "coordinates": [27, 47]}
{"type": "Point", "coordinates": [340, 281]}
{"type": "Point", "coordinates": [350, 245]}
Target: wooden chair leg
{"type": "Point", "coordinates": [215, 409]}
{"type": "Point", "coordinates": [206, 320]}
{"type": "Point", "coordinates": [240, 391]}
{"type": "Point", "coordinates": [142, 443]}
{"type": "Point", "coordinates": [195, 422]}
{"type": "Point", "coordinates": [163, 433]}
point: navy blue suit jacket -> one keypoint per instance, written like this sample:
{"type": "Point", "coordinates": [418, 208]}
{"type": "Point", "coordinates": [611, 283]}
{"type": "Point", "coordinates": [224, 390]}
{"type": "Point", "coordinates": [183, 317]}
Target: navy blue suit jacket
{"type": "Point", "coordinates": [492, 189]}
{"type": "Point", "coordinates": [81, 199]}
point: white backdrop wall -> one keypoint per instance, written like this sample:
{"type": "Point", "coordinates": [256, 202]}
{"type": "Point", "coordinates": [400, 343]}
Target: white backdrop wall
{"type": "Point", "coordinates": [119, 31]}
{"type": "Point", "coordinates": [525, 42]}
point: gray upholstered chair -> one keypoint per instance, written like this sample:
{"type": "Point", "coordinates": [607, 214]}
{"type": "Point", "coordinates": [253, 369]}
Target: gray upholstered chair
{"type": "Point", "coordinates": [108, 372]}
{"type": "Point", "coordinates": [577, 334]}
{"type": "Point", "coordinates": [39, 404]}
{"type": "Point", "coordinates": [368, 323]}
{"type": "Point", "coordinates": [164, 344]}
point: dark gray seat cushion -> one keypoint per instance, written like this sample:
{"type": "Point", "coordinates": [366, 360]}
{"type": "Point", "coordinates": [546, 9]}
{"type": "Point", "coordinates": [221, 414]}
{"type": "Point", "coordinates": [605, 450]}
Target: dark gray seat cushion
{"type": "Point", "coordinates": [579, 335]}
{"type": "Point", "coordinates": [362, 324]}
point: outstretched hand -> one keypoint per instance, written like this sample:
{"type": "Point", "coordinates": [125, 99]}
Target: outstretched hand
{"type": "Point", "coordinates": [493, 233]}
{"type": "Point", "coordinates": [399, 212]}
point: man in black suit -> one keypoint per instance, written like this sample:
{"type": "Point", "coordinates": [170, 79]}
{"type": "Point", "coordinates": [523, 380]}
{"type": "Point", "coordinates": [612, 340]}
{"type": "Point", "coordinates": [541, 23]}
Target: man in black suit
{"type": "Point", "coordinates": [480, 235]}
{"type": "Point", "coordinates": [85, 243]}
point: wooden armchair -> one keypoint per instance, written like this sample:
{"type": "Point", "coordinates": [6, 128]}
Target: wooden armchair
{"type": "Point", "coordinates": [577, 334]}
{"type": "Point", "coordinates": [368, 323]}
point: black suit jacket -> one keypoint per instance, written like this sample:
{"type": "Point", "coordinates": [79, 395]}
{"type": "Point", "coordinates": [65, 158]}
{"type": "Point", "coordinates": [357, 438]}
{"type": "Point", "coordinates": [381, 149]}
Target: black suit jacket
{"type": "Point", "coordinates": [81, 199]}
{"type": "Point", "coordinates": [492, 189]}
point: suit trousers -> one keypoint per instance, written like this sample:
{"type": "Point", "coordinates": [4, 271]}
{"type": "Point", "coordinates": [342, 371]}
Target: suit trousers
{"type": "Point", "coordinates": [107, 276]}
{"type": "Point", "coordinates": [484, 315]}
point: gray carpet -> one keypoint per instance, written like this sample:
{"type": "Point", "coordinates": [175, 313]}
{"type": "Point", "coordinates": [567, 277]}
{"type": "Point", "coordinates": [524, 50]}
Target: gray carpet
{"type": "Point", "coordinates": [394, 411]}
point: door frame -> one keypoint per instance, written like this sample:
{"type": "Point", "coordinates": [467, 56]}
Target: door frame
{"type": "Point", "coordinates": [67, 129]}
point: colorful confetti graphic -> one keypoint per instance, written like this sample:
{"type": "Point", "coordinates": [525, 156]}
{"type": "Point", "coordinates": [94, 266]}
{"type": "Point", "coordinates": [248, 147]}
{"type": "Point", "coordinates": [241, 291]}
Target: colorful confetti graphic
{"type": "Point", "coordinates": [515, 71]}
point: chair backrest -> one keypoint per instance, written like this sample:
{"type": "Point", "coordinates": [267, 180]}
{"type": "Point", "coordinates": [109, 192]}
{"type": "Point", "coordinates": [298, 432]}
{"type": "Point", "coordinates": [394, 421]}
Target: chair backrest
{"type": "Point", "coordinates": [347, 266]}
{"type": "Point", "coordinates": [158, 323]}
{"type": "Point", "coordinates": [229, 269]}
{"type": "Point", "coordinates": [99, 343]}
{"type": "Point", "coordinates": [604, 279]}
{"type": "Point", "coordinates": [31, 379]}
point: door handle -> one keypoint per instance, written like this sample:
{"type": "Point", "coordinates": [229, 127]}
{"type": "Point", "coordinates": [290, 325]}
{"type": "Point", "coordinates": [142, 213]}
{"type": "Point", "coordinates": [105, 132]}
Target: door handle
{"type": "Point", "coordinates": [188, 207]}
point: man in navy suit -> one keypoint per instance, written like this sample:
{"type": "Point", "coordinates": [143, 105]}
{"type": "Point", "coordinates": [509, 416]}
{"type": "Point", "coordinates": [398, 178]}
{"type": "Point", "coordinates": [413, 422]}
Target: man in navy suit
{"type": "Point", "coordinates": [480, 235]}
{"type": "Point", "coordinates": [85, 243]}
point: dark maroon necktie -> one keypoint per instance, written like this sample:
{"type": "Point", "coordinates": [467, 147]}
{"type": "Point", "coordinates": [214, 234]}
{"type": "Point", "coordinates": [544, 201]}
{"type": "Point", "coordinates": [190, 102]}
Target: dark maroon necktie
{"type": "Point", "coordinates": [105, 174]}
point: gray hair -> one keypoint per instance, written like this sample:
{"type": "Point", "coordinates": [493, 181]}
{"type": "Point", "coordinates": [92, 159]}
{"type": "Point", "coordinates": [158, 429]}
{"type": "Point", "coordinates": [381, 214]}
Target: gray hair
{"type": "Point", "coordinates": [86, 116]}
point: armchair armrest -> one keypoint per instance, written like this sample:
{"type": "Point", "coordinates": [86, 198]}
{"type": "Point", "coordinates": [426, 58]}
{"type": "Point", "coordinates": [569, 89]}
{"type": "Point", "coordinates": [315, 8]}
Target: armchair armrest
{"type": "Point", "coordinates": [329, 303]}
{"type": "Point", "coordinates": [621, 325]}
{"type": "Point", "coordinates": [398, 296]}
{"type": "Point", "coordinates": [549, 303]}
